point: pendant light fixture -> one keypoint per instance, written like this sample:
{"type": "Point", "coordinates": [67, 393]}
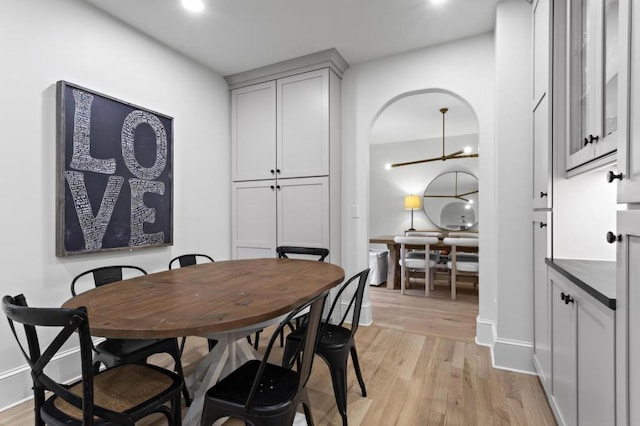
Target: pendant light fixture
{"type": "Point", "coordinates": [463, 153]}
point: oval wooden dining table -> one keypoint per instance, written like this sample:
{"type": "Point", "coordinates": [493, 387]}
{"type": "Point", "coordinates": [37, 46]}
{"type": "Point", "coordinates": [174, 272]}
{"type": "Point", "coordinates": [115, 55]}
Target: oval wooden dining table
{"type": "Point", "coordinates": [225, 300]}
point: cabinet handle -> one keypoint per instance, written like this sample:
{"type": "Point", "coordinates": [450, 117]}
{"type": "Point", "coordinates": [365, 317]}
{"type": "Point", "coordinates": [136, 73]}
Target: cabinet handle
{"type": "Point", "coordinates": [543, 194]}
{"type": "Point", "coordinates": [566, 298]}
{"type": "Point", "coordinates": [612, 176]}
{"type": "Point", "coordinates": [586, 142]}
{"type": "Point", "coordinates": [278, 171]}
{"type": "Point", "coordinates": [272, 171]}
{"type": "Point", "coordinates": [543, 225]}
{"type": "Point", "coordinates": [272, 187]}
{"type": "Point", "coordinates": [612, 238]}
{"type": "Point", "coordinates": [278, 187]}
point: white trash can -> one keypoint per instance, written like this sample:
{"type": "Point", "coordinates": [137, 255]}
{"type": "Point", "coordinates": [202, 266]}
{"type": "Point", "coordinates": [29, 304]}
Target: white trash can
{"type": "Point", "coordinates": [378, 263]}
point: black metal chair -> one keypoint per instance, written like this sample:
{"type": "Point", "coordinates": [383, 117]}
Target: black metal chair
{"type": "Point", "coordinates": [282, 252]}
{"type": "Point", "coordinates": [188, 260]}
{"type": "Point", "coordinates": [336, 343]}
{"type": "Point", "coordinates": [261, 393]}
{"type": "Point", "coordinates": [112, 352]}
{"type": "Point", "coordinates": [119, 395]}
{"type": "Point", "coordinates": [184, 261]}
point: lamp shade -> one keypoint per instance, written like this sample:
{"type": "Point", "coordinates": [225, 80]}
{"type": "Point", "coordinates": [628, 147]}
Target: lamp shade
{"type": "Point", "coordinates": [411, 202]}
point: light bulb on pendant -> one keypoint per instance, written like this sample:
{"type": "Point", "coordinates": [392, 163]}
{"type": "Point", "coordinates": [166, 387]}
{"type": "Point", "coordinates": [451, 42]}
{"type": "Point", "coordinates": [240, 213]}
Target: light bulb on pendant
{"type": "Point", "coordinates": [467, 150]}
{"type": "Point", "coordinates": [387, 166]}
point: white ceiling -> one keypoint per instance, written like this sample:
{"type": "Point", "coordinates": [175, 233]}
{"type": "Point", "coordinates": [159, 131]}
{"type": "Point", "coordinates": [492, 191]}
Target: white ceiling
{"type": "Point", "coordinates": [418, 117]}
{"type": "Point", "coordinates": [238, 35]}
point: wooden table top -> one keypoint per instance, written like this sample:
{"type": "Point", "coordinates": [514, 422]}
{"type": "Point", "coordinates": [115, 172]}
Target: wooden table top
{"type": "Point", "coordinates": [205, 298]}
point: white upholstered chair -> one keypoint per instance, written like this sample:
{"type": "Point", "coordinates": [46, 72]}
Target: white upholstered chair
{"type": "Point", "coordinates": [416, 262]}
{"type": "Point", "coordinates": [462, 264]}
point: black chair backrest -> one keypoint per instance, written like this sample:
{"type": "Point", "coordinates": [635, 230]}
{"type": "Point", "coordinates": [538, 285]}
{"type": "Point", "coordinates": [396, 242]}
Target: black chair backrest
{"type": "Point", "coordinates": [283, 251]}
{"type": "Point", "coordinates": [71, 322]}
{"type": "Point", "coordinates": [355, 302]}
{"type": "Point", "coordinates": [307, 347]}
{"type": "Point", "coordinates": [188, 259]}
{"type": "Point", "coordinates": [105, 275]}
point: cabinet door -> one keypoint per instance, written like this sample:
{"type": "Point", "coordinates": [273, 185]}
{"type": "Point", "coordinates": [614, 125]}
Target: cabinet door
{"type": "Point", "coordinates": [542, 155]}
{"type": "Point", "coordinates": [564, 355]}
{"type": "Point", "coordinates": [253, 220]}
{"type": "Point", "coordinates": [303, 125]}
{"type": "Point", "coordinates": [541, 299]}
{"type": "Point", "coordinates": [596, 363]}
{"type": "Point", "coordinates": [628, 318]}
{"type": "Point", "coordinates": [303, 212]}
{"type": "Point", "coordinates": [253, 132]}
{"type": "Point", "coordinates": [593, 80]}
{"type": "Point", "coordinates": [629, 117]}
{"type": "Point", "coordinates": [541, 49]}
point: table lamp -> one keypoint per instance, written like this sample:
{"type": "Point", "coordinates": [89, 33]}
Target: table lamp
{"type": "Point", "coordinates": [411, 202]}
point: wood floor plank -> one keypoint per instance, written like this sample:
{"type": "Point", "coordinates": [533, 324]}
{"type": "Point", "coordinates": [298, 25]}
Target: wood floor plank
{"type": "Point", "coordinates": [420, 365]}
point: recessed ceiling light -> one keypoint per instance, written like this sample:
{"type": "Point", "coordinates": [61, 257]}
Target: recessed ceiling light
{"type": "Point", "coordinates": [193, 5]}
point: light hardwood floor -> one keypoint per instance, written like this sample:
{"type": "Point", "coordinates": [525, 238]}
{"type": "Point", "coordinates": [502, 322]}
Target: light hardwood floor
{"type": "Point", "coordinates": [420, 366]}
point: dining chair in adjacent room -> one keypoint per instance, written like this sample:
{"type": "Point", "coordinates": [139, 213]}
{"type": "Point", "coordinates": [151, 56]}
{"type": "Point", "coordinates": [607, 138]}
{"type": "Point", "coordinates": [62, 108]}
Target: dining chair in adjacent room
{"type": "Point", "coordinates": [336, 342]}
{"type": "Point", "coordinates": [422, 261]}
{"type": "Point", "coordinates": [112, 352]}
{"type": "Point", "coordinates": [266, 394]}
{"type": "Point", "coordinates": [283, 252]}
{"type": "Point", "coordinates": [462, 264]}
{"type": "Point", "coordinates": [119, 395]}
{"type": "Point", "coordinates": [190, 260]}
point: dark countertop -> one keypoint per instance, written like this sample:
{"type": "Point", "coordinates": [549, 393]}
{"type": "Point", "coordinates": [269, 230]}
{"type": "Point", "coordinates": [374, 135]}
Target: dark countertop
{"type": "Point", "coordinates": [596, 277]}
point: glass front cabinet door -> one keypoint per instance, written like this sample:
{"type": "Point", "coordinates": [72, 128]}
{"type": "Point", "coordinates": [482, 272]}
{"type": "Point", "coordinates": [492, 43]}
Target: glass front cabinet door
{"type": "Point", "coordinates": [593, 83]}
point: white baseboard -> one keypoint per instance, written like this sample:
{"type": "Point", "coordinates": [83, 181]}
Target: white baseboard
{"type": "Point", "coordinates": [506, 354]}
{"type": "Point", "coordinates": [513, 355]}
{"type": "Point", "coordinates": [366, 313]}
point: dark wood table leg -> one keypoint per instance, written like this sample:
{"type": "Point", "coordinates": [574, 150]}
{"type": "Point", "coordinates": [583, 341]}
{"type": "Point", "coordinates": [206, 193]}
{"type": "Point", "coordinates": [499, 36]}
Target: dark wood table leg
{"type": "Point", "coordinates": [393, 271]}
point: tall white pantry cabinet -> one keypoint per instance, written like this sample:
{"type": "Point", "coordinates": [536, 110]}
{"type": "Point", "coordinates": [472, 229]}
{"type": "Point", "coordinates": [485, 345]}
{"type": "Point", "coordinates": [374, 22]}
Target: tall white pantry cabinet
{"type": "Point", "coordinates": [285, 136]}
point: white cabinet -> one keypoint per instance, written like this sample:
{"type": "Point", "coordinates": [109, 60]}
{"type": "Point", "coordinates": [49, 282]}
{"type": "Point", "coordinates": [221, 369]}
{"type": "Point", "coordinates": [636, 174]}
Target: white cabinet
{"type": "Point", "coordinates": [270, 213]}
{"type": "Point", "coordinates": [628, 167]}
{"type": "Point", "coordinates": [583, 350]}
{"type": "Point", "coordinates": [253, 132]}
{"type": "Point", "coordinates": [542, 155]}
{"type": "Point", "coordinates": [285, 136]}
{"type": "Point", "coordinates": [592, 83]}
{"type": "Point", "coordinates": [281, 128]}
{"type": "Point", "coordinates": [542, 97]}
{"type": "Point", "coordinates": [628, 318]}
{"type": "Point", "coordinates": [541, 299]}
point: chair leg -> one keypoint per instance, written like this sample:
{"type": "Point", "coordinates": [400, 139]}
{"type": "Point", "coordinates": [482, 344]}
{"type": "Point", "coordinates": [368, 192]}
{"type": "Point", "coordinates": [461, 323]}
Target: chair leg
{"type": "Point", "coordinates": [356, 366]}
{"type": "Point", "coordinates": [182, 343]}
{"type": "Point", "coordinates": [337, 362]}
{"type": "Point", "coordinates": [178, 369]}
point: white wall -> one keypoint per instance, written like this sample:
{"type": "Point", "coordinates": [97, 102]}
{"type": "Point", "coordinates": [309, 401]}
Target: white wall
{"type": "Point", "coordinates": [464, 68]}
{"type": "Point", "coordinates": [386, 200]}
{"type": "Point", "coordinates": [43, 42]}
{"type": "Point", "coordinates": [514, 174]}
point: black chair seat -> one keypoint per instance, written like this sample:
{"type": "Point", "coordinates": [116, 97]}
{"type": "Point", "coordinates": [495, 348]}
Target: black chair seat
{"type": "Point", "coordinates": [120, 395]}
{"type": "Point", "coordinates": [278, 385]}
{"type": "Point", "coordinates": [133, 390]}
{"type": "Point", "coordinates": [265, 394]}
{"type": "Point", "coordinates": [334, 337]}
{"type": "Point", "coordinates": [335, 343]}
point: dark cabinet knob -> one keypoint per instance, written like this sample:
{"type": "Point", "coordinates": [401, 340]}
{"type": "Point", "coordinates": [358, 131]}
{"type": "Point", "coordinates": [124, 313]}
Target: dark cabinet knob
{"type": "Point", "coordinates": [272, 171]}
{"type": "Point", "coordinates": [586, 142]}
{"type": "Point", "coordinates": [543, 194]}
{"type": "Point", "coordinates": [566, 298]}
{"type": "Point", "coordinates": [612, 176]}
{"type": "Point", "coordinates": [272, 187]}
{"type": "Point", "coordinates": [591, 139]}
{"type": "Point", "coordinates": [278, 171]}
{"type": "Point", "coordinates": [543, 225]}
{"type": "Point", "coordinates": [612, 238]}
{"type": "Point", "coordinates": [278, 187]}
